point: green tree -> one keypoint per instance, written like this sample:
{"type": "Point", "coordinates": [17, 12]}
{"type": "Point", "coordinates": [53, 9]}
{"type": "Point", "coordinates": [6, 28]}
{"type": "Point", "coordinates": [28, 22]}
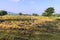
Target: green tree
{"type": "Point", "coordinates": [20, 13]}
{"type": "Point", "coordinates": [2, 12]}
{"type": "Point", "coordinates": [44, 14]}
{"type": "Point", "coordinates": [48, 12]}
{"type": "Point", "coordinates": [34, 14]}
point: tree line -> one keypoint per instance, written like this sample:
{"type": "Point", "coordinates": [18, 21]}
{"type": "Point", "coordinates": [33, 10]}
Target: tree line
{"type": "Point", "coordinates": [48, 12]}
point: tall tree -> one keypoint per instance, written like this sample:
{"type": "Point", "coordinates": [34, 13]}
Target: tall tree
{"type": "Point", "coordinates": [2, 12]}
{"type": "Point", "coordinates": [49, 11]}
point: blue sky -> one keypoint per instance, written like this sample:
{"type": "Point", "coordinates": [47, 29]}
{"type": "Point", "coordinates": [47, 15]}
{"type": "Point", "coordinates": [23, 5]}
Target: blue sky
{"type": "Point", "coordinates": [29, 6]}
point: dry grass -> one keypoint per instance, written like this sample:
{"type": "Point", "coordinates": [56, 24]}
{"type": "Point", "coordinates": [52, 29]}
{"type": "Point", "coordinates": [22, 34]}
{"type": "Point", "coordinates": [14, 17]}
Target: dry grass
{"type": "Point", "coordinates": [25, 22]}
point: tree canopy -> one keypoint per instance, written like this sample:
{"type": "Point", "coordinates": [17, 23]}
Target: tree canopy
{"type": "Point", "coordinates": [2, 12]}
{"type": "Point", "coordinates": [35, 14]}
{"type": "Point", "coordinates": [49, 11]}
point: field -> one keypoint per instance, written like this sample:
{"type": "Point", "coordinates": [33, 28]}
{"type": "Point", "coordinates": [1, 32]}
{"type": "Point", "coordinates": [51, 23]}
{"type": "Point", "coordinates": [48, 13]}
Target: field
{"type": "Point", "coordinates": [29, 28]}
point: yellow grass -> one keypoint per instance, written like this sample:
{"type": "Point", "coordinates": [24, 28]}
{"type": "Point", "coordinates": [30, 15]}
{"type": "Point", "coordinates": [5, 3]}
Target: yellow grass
{"type": "Point", "coordinates": [22, 24]}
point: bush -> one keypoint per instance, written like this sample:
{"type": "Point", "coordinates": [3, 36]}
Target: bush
{"type": "Point", "coordinates": [2, 12]}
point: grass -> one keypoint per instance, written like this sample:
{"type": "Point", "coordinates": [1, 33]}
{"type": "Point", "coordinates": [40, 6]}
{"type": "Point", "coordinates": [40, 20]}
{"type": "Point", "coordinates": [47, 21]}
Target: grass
{"type": "Point", "coordinates": [29, 28]}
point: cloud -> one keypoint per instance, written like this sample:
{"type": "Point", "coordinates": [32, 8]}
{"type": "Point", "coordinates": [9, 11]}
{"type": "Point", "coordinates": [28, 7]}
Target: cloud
{"type": "Point", "coordinates": [32, 2]}
{"type": "Point", "coordinates": [15, 0]}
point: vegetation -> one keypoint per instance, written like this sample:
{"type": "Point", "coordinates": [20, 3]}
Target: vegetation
{"type": "Point", "coordinates": [48, 12]}
{"type": "Point", "coordinates": [56, 15]}
{"type": "Point", "coordinates": [20, 14]}
{"type": "Point", "coordinates": [2, 12]}
{"type": "Point", "coordinates": [30, 27]}
{"type": "Point", "coordinates": [34, 14]}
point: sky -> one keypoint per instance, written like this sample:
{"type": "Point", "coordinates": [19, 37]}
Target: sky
{"type": "Point", "coordinates": [29, 6]}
